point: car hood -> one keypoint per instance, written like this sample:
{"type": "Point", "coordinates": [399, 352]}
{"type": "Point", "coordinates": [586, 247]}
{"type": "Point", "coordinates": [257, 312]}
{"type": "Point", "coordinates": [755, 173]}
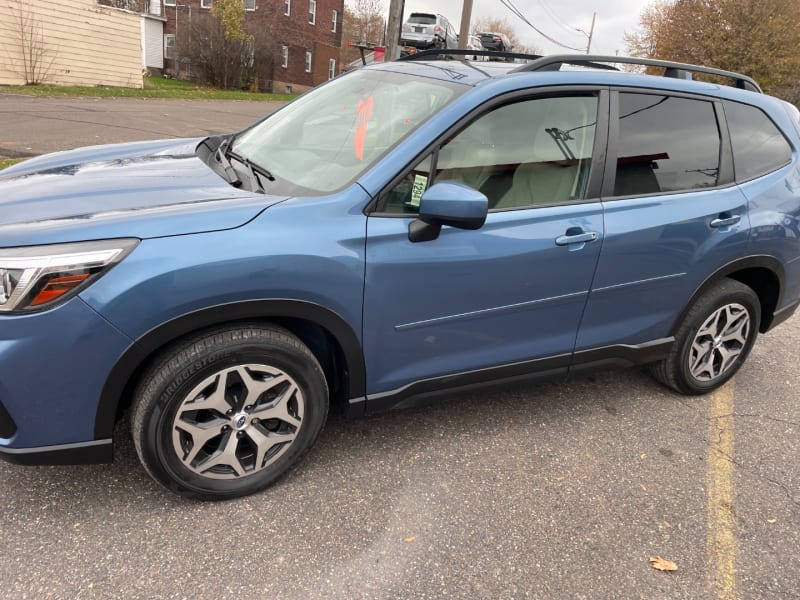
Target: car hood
{"type": "Point", "coordinates": [143, 189]}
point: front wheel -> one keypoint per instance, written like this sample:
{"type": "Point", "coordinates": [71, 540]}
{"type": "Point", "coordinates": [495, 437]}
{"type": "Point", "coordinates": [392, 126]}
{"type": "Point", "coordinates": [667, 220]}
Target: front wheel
{"type": "Point", "coordinates": [224, 414]}
{"type": "Point", "coordinates": [713, 340]}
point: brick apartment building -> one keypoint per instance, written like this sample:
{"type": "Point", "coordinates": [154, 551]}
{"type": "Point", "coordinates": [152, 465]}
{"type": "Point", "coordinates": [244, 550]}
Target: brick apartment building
{"type": "Point", "coordinates": [307, 35]}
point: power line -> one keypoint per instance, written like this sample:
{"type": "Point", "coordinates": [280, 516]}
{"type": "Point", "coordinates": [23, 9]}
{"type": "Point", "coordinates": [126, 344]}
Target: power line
{"type": "Point", "coordinates": [556, 19]}
{"type": "Point", "coordinates": [510, 6]}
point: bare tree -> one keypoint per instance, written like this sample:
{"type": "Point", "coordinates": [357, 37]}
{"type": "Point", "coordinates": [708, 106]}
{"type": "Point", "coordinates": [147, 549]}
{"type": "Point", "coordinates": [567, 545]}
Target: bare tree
{"type": "Point", "coordinates": [215, 59]}
{"type": "Point", "coordinates": [33, 53]}
{"type": "Point", "coordinates": [363, 22]}
{"type": "Point", "coordinates": [138, 6]}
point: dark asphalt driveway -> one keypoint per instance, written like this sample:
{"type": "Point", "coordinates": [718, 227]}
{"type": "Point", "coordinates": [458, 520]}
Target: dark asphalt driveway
{"type": "Point", "coordinates": [547, 491]}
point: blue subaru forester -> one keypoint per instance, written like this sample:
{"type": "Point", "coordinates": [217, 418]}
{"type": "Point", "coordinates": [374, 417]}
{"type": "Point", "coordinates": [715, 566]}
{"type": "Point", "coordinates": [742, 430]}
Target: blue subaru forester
{"type": "Point", "coordinates": [408, 229]}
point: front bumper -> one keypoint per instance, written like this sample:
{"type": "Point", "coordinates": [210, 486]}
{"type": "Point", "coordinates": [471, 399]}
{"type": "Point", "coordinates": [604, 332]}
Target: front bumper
{"type": "Point", "coordinates": [53, 366]}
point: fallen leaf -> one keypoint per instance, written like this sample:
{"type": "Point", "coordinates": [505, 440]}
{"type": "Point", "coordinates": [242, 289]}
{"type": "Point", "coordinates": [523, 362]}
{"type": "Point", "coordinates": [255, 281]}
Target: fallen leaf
{"type": "Point", "coordinates": [771, 521]}
{"type": "Point", "coordinates": [410, 539]}
{"type": "Point", "coordinates": [643, 456]}
{"type": "Point", "coordinates": [644, 489]}
{"type": "Point", "coordinates": [560, 478]}
{"type": "Point", "coordinates": [662, 564]}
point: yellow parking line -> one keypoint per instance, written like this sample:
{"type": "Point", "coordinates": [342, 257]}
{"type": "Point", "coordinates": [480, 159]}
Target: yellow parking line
{"type": "Point", "coordinates": [721, 542]}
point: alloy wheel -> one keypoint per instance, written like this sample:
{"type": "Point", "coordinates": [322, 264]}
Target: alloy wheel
{"type": "Point", "coordinates": [719, 342]}
{"type": "Point", "coordinates": [238, 421]}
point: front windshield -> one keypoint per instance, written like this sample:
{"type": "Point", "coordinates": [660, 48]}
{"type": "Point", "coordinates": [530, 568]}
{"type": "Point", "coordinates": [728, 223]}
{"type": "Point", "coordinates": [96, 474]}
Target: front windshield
{"type": "Point", "coordinates": [325, 139]}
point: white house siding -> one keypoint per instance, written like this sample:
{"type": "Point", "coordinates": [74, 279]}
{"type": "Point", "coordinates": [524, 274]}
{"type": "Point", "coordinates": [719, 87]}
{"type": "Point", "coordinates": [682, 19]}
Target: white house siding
{"type": "Point", "coordinates": [87, 44]}
{"type": "Point", "coordinates": [153, 43]}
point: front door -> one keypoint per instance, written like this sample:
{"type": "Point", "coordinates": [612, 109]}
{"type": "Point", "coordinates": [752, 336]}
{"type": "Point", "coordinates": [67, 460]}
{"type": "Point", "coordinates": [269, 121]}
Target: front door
{"type": "Point", "coordinates": [513, 291]}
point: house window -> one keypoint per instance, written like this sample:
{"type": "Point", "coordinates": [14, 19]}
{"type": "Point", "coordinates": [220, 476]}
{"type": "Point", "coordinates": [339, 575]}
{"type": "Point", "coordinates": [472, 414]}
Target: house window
{"type": "Point", "coordinates": [331, 68]}
{"type": "Point", "coordinates": [249, 4]}
{"type": "Point", "coordinates": [206, 3]}
{"type": "Point", "coordinates": [287, 7]}
{"type": "Point", "coordinates": [312, 11]}
{"type": "Point", "coordinates": [169, 46]}
{"type": "Point", "coordinates": [169, 2]}
{"type": "Point", "coordinates": [285, 57]}
{"type": "Point", "coordinates": [335, 20]}
{"type": "Point", "coordinates": [308, 62]}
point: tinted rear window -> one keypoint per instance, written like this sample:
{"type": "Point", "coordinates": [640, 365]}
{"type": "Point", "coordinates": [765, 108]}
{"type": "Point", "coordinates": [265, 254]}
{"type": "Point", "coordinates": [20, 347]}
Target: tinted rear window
{"type": "Point", "coordinates": [666, 144]}
{"type": "Point", "coordinates": [424, 19]}
{"type": "Point", "coordinates": [758, 146]}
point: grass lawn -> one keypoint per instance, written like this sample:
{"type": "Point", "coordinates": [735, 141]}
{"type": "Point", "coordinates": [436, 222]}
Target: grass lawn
{"type": "Point", "coordinates": [154, 87]}
{"type": "Point", "coordinates": [7, 162]}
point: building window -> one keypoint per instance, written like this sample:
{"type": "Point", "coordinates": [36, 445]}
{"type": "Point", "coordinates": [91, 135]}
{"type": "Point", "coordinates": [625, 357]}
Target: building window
{"type": "Point", "coordinates": [169, 46]}
{"type": "Point", "coordinates": [249, 4]}
{"type": "Point", "coordinates": [308, 62]}
{"type": "Point", "coordinates": [285, 57]}
{"type": "Point", "coordinates": [169, 2]}
{"type": "Point", "coordinates": [287, 7]}
{"type": "Point", "coordinates": [312, 11]}
{"type": "Point", "coordinates": [206, 3]}
{"type": "Point", "coordinates": [335, 19]}
{"type": "Point", "coordinates": [331, 68]}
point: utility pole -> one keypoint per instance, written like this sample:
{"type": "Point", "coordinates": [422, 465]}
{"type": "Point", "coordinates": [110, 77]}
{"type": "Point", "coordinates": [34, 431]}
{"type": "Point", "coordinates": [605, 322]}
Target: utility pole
{"type": "Point", "coordinates": [591, 34]}
{"type": "Point", "coordinates": [393, 26]}
{"type": "Point", "coordinates": [466, 18]}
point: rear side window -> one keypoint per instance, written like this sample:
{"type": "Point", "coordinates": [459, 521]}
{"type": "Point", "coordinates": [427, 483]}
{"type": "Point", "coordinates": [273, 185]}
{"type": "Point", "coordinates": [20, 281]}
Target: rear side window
{"type": "Point", "coordinates": [666, 144]}
{"type": "Point", "coordinates": [758, 146]}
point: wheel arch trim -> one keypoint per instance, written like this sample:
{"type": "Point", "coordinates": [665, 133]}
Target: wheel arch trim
{"type": "Point", "coordinates": [769, 263]}
{"type": "Point", "coordinates": [144, 347]}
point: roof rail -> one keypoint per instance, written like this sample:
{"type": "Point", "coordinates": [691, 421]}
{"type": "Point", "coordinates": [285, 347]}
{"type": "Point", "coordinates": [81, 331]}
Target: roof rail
{"type": "Point", "coordinates": [423, 54]}
{"type": "Point", "coordinates": [672, 69]}
{"type": "Point", "coordinates": [429, 54]}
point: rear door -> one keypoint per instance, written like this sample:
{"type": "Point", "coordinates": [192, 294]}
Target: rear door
{"type": "Point", "coordinates": [673, 215]}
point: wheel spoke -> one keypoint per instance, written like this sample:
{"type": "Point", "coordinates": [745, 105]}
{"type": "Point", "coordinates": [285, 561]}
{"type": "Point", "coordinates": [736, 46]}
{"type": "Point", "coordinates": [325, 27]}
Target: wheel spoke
{"type": "Point", "coordinates": [200, 433]}
{"type": "Point", "coordinates": [266, 441]}
{"type": "Point", "coordinates": [256, 387]}
{"type": "Point", "coordinates": [225, 455]}
{"type": "Point", "coordinates": [699, 356]}
{"type": "Point", "coordinates": [279, 408]}
{"type": "Point", "coordinates": [728, 357]}
{"type": "Point", "coordinates": [214, 401]}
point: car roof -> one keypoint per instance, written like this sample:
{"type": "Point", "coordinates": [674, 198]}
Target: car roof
{"type": "Point", "coordinates": [480, 73]}
{"type": "Point", "coordinates": [506, 75]}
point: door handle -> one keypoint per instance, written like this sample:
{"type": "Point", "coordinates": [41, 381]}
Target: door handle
{"type": "Point", "coordinates": [576, 238]}
{"type": "Point", "coordinates": [722, 221]}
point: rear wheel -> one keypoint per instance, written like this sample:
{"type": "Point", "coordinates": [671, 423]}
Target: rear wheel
{"type": "Point", "coordinates": [713, 340]}
{"type": "Point", "coordinates": [226, 413]}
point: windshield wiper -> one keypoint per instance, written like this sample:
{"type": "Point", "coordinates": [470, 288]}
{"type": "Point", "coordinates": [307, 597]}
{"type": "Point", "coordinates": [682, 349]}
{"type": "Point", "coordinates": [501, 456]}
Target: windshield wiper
{"type": "Point", "coordinates": [221, 156]}
{"type": "Point", "coordinates": [254, 170]}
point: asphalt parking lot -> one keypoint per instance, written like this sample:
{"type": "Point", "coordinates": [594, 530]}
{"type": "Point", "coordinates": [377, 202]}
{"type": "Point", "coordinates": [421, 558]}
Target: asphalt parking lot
{"type": "Point", "coordinates": [33, 126]}
{"type": "Point", "coordinates": [541, 491]}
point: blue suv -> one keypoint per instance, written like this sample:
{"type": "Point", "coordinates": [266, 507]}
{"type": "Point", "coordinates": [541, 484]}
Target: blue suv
{"type": "Point", "coordinates": [408, 229]}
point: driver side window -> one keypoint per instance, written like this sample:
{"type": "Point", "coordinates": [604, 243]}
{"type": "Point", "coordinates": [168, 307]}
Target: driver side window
{"type": "Point", "coordinates": [530, 153]}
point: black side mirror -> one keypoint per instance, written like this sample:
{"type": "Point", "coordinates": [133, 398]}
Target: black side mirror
{"type": "Point", "coordinates": [448, 203]}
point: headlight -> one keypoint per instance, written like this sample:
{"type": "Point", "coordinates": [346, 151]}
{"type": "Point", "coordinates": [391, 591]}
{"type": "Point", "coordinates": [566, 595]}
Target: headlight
{"type": "Point", "coordinates": [37, 277]}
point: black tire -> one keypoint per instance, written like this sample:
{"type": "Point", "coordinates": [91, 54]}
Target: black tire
{"type": "Point", "coordinates": [675, 371]}
{"type": "Point", "coordinates": [220, 355]}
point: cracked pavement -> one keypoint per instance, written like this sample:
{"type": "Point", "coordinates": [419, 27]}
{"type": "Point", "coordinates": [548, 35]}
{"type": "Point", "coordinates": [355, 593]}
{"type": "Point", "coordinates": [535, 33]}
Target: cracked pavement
{"type": "Point", "coordinates": [540, 491]}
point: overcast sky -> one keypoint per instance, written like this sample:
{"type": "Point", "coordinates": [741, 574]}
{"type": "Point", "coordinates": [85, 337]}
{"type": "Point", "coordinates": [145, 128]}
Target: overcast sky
{"type": "Point", "coordinates": [556, 18]}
